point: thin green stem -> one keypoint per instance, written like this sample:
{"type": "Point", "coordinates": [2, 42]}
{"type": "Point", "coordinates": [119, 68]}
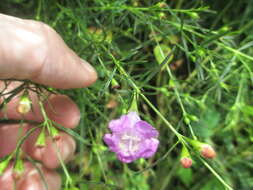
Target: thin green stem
{"type": "Point", "coordinates": [48, 123]}
{"type": "Point", "coordinates": [216, 174]}
{"type": "Point", "coordinates": [179, 100]}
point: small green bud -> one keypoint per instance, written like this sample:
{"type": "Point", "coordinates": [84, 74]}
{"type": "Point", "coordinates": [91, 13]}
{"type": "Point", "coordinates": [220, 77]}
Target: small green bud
{"type": "Point", "coordinates": [162, 15]}
{"type": "Point", "coordinates": [193, 58]}
{"type": "Point", "coordinates": [200, 52]}
{"type": "Point", "coordinates": [193, 117]}
{"type": "Point", "coordinates": [171, 84]}
{"type": "Point", "coordinates": [225, 29]}
{"type": "Point", "coordinates": [187, 120]}
{"type": "Point", "coordinates": [194, 15]}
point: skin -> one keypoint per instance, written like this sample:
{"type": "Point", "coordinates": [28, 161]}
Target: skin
{"type": "Point", "coordinates": [34, 51]}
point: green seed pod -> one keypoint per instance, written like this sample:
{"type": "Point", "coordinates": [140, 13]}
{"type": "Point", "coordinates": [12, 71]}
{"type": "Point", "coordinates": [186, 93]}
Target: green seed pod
{"type": "Point", "coordinates": [18, 169]}
{"type": "Point", "coordinates": [115, 84]}
{"type": "Point", "coordinates": [24, 105]}
{"type": "Point", "coordinates": [4, 164]}
{"type": "Point", "coordinates": [54, 133]}
{"type": "Point", "coordinates": [41, 140]}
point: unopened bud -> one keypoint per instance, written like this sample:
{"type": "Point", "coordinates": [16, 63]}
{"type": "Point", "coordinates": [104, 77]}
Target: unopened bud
{"type": "Point", "coordinates": [24, 105]}
{"type": "Point", "coordinates": [194, 15]}
{"type": "Point", "coordinates": [162, 15]}
{"type": "Point", "coordinates": [186, 162]}
{"type": "Point", "coordinates": [185, 159]}
{"type": "Point", "coordinates": [207, 151]}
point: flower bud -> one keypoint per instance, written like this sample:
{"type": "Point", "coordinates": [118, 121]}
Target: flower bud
{"type": "Point", "coordinates": [162, 15]}
{"type": "Point", "coordinates": [194, 15]}
{"type": "Point", "coordinates": [186, 162]}
{"type": "Point", "coordinates": [207, 151]}
{"type": "Point", "coordinates": [24, 105]}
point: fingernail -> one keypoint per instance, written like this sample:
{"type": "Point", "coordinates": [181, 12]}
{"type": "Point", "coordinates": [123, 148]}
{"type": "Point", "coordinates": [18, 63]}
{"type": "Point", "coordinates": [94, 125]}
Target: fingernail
{"type": "Point", "coordinates": [91, 72]}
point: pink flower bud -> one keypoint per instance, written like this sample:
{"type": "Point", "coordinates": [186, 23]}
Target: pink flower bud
{"type": "Point", "coordinates": [186, 162]}
{"type": "Point", "coordinates": [207, 151]}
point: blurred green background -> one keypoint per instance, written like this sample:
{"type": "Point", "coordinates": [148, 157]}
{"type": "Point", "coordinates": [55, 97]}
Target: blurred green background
{"type": "Point", "coordinates": [204, 86]}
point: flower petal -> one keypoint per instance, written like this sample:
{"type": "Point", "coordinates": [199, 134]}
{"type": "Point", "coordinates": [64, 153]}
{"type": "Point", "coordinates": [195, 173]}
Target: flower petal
{"type": "Point", "coordinates": [146, 130]}
{"type": "Point", "coordinates": [126, 159]}
{"type": "Point", "coordinates": [124, 122]}
{"type": "Point", "coordinates": [133, 118]}
{"type": "Point", "coordinates": [116, 124]}
{"type": "Point", "coordinates": [149, 147]}
{"type": "Point", "coordinates": [111, 141]}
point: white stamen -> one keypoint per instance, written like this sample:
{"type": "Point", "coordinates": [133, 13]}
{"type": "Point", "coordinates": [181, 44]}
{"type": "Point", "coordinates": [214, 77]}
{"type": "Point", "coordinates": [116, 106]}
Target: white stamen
{"type": "Point", "coordinates": [129, 143]}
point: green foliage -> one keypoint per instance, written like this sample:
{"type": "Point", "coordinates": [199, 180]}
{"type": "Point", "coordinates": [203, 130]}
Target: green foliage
{"type": "Point", "coordinates": [204, 91]}
{"type": "Point", "coordinates": [185, 175]}
{"type": "Point", "coordinates": [210, 120]}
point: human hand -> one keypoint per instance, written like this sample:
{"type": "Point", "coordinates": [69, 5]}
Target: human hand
{"type": "Point", "coordinates": [34, 51]}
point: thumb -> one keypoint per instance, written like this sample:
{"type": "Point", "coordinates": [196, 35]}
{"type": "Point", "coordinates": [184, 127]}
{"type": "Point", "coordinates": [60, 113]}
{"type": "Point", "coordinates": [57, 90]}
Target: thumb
{"type": "Point", "coordinates": [34, 51]}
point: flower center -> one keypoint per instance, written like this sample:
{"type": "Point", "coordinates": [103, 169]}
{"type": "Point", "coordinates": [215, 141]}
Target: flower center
{"type": "Point", "coordinates": [129, 144]}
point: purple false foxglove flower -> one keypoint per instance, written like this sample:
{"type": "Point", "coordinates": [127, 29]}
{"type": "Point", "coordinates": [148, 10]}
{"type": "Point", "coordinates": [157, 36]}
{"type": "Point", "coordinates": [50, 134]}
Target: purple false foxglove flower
{"type": "Point", "coordinates": [131, 138]}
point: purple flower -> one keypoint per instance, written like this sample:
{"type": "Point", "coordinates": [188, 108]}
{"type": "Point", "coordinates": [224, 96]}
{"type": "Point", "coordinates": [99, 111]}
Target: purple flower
{"type": "Point", "coordinates": [131, 138]}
